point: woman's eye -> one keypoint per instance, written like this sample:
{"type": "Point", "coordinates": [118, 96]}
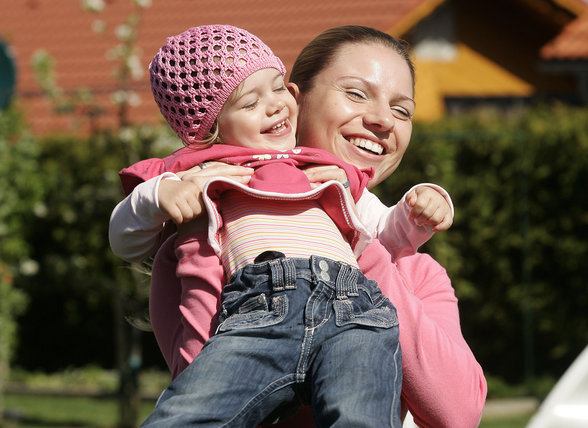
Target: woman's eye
{"type": "Point", "coordinates": [356, 94]}
{"type": "Point", "coordinates": [401, 112]}
{"type": "Point", "coordinates": [280, 89]}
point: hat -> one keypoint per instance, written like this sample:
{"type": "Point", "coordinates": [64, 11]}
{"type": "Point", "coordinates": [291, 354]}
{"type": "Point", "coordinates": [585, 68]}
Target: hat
{"type": "Point", "coordinates": [194, 73]}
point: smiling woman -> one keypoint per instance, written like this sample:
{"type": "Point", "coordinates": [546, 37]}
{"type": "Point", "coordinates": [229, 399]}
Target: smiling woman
{"type": "Point", "coordinates": [357, 108]}
{"type": "Point", "coordinates": [356, 102]}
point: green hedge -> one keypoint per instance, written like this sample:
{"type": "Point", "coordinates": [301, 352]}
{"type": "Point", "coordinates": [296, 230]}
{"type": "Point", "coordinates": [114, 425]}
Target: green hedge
{"type": "Point", "coordinates": [516, 254]}
{"type": "Point", "coordinates": [518, 248]}
{"type": "Point", "coordinates": [71, 314]}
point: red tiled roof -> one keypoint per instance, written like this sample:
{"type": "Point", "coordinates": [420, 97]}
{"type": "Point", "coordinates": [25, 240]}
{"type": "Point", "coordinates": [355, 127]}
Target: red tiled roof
{"type": "Point", "coordinates": [571, 43]}
{"type": "Point", "coordinates": [61, 28]}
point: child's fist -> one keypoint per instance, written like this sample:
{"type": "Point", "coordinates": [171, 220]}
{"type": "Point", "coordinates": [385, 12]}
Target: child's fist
{"type": "Point", "coordinates": [429, 207]}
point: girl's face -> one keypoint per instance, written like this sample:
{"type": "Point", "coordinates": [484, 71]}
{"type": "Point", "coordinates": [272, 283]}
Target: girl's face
{"type": "Point", "coordinates": [260, 113]}
{"type": "Point", "coordinates": [360, 108]}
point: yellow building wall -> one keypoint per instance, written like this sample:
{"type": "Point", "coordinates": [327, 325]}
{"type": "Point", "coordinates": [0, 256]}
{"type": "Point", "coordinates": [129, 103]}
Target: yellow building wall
{"type": "Point", "coordinates": [470, 74]}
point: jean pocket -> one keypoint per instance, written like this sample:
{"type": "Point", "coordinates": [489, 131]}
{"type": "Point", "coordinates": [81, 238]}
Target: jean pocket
{"type": "Point", "coordinates": [256, 312]}
{"type": "Point", "coordinates": [366, 309]}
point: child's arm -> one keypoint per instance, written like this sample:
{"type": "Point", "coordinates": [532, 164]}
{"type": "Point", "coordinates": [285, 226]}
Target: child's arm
{"type": "Point", "coordinates": [136, 228]}
{"type": "Point", "coordinates": [404, 227]}
{"type": "Point", "coordinates": [430, 205]}
{"type": "Point", "coordinates": [137, 222]}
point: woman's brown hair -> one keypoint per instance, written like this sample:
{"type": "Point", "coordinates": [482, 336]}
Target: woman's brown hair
{"type": "Point", "coordinates": [319, 53]}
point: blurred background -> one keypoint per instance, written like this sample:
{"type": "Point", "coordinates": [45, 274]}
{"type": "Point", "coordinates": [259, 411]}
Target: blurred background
{"type": "Point", "coordinates": [501, 123]}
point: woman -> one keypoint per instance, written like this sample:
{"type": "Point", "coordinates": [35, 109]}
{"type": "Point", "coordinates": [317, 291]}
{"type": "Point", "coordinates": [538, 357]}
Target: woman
{"type": "Point", "coordinates": [355, 87]}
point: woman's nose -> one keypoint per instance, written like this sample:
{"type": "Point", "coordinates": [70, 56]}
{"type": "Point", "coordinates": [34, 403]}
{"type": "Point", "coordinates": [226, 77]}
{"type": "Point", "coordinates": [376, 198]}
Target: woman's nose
{"type": "Point", "coordinates": [379, 117]}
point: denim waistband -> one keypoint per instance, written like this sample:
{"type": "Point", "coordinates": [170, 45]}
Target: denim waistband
{"type": "Point", "coordinates": [282, 272]}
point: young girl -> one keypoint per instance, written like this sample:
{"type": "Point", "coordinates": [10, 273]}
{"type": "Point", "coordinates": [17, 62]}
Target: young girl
{"type": "Point", "coordinates": [299, 321]}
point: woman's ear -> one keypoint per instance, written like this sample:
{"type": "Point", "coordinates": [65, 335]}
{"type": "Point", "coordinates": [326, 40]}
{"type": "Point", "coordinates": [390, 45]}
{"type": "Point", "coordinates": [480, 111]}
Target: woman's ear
{"type": "Point", "coordinates": [294, 90]}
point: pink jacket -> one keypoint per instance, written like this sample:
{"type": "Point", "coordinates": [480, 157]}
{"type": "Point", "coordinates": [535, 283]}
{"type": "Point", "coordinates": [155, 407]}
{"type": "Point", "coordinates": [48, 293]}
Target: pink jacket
{"type": "Point", "coordinates": [187, 157]}
{"type": "Point", "coordinates": [277, 176]}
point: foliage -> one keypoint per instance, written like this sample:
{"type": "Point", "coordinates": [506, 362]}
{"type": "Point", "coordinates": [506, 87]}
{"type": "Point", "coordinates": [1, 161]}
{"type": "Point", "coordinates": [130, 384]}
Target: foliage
{"type": "Point", "coordinates": [70, 315]}
{"type": "Point", "coordinates": [515, 253]}
{"type": "Point", "coordinates": [539, 388]}
{"type": "Point", "coordinates": [80, 102]}
{"type": "Point", "coordinates": [85, 380]}
{"type": "Point", "coordinates": [517, 250]}
{"type": "Point", "coordinates": [508, 421]}
{"type": "Point", "coordinates": [21, 193]}
{"type": "Point", "coordinates": [128, 68]}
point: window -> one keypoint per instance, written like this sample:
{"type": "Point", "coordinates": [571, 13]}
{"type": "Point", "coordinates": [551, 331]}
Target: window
{"type": "Point", "coordinates": [7, 75]}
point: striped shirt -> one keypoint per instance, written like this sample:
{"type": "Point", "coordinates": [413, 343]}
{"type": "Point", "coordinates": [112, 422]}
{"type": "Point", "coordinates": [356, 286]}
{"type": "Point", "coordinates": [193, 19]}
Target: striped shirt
{"type": "Point", "coordinates": [298, 228]}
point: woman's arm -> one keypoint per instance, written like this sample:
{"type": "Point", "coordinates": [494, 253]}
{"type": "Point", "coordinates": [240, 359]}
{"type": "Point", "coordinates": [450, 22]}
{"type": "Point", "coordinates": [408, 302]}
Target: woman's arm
{"type": "Point", "coordinates": [186, 283]}
{"type": "Point", "coordinates": [443, 384]}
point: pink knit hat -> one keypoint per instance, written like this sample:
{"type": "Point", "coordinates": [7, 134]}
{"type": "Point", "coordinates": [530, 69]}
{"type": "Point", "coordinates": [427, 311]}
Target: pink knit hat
{"type": "Point", "coordinates": [194, 73]}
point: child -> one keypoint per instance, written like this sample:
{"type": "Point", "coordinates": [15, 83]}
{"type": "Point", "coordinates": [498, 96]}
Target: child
{"type": "Point", "coordinates": [276, 327]}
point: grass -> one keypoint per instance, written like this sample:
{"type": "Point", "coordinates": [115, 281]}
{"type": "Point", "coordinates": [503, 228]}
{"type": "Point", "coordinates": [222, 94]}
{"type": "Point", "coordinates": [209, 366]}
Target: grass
{"type": "Point", "coordinates": [46, 411]}
{"type": "Point", "coordinates": [36, 411]}
{"type": "Point", "coordinates": [516, 421]}
{"type": "Point", "coordinates": [90, 402]}
{"type": "Point", "coordinates": [41, 411]}
{"type": "Point", "coordinates": [80, 398]}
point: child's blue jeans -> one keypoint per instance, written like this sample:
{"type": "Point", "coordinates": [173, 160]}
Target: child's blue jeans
{"type": "Point", "coordinates": [293, 331]}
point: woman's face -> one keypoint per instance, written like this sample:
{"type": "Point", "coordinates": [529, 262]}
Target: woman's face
{"type": "Point", "coordinates": [360, 108]}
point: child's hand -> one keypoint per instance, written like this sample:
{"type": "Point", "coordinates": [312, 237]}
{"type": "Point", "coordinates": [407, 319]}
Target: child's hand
{"type": "Point", "coordinates": [429, 207]}
{"type": "Point", "coordinates": [181, 200]}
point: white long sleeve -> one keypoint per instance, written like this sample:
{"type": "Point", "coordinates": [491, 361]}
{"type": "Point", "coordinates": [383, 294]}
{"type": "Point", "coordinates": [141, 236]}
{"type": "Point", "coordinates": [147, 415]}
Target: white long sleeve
{"type": "Point", "coordinates": [137, 222]}
{"type": "Point", "coordinates": [392, 225]}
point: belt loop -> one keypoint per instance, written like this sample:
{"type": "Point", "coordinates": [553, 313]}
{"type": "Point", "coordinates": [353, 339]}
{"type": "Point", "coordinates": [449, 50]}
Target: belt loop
{"type": "Point", "coordinates": [289, 273]}
{"type": "Point", "coordinates": [277, 274]}
{"type": "Point", "coordinates": [283, 274]}
{"type": "Point", "coordinates": [352, 282]}
{"type": "Point", "coordinates": [346, 284]}
{"type": "Point", "coordinates": [340, 283]}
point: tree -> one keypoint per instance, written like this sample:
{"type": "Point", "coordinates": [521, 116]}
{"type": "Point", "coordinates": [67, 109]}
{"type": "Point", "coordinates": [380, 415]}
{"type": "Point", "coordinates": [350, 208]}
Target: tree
{"type": "Point", "coordinates": [128, 67]}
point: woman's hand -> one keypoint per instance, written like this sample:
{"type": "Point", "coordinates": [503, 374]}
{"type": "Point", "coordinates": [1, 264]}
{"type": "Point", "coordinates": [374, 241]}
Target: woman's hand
{"type": "Point", "coordinates": [319, 174]}
{"type": "Point", "coordinates": [182, 200]}
{"type": "Point", "coordinates": [205, 171]}
{"type": "Point", "coordinates": [429, 207]}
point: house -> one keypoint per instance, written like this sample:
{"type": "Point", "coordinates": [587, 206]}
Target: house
{"type": "Point", "coordinates": [567, 53]}
{"type": "Point", "coordinates": [467, 53]}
